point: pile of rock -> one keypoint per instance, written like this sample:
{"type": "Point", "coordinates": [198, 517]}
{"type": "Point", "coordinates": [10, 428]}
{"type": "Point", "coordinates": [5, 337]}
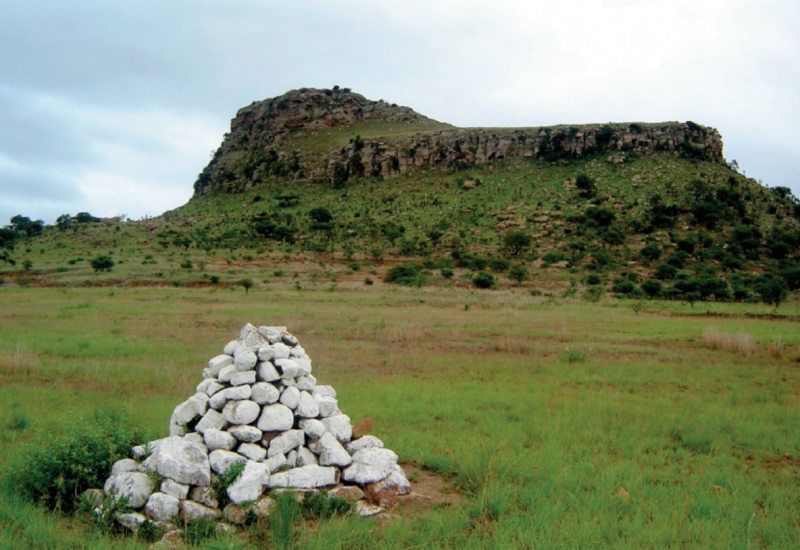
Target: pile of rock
{"type": "Point", "coordinates": [258, 405]}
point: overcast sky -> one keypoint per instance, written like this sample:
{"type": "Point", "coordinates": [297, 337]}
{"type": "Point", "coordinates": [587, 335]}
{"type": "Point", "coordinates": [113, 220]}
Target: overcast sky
{"type": "Point", "coordinates": [115, 107]}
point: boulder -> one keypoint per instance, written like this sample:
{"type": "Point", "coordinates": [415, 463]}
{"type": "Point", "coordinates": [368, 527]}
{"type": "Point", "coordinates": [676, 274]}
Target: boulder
{"type": "Point", "coordinates": [256, 453]}
{"type": "Point", "coordinates": [246, 377]}
{"type": "Point", "coordinates": [175, 489]}
{"type": "Point", "coordinates": [250, 484]}
{"type": "Point", "coordinates": [246, 433]}
{"type": "Point", "coordinates": [192, 510]}
{"type": "Point", "coordinates": [218, 439]}
{"type": "Point", "coordinates": [328, 406]}
{"type": "Point", "coordinates": [241, 412]}
{"type": "Point", "coordinates": [205, 496]}
{"type": "Point", "coordinates": [162, 507]}
{"type": "Point", "coordinates": [339, 426]}
{"type": "Point", "coordinates": [230, 348]}
{"type": "Point", "coordinates": [288, 440]}
{"type": "Point", "coordinates": [124, 465]}
{"type": "Point", "coordinates": [313, 428]}
{"type": "Point", "coordinates": [181, 461]}
{"type": "Point", "coordinates": [364, 442]}
{"type": "Point", "coordinates": [136, 486]}
{"type": "Point", "coordinates": [305, 477]}
{"type": "Point", "coordinates": [290, 397]}
{"type": "Point", "coordinates": [275, 418]}
{"type": "Point", "coordinates": [217, 363]}
{"type": "Point", "coordinates": [266, 372]}
{"type": "Point", "coordinates": [212, 420]}
{"type": "Point", "coordinates": [221, 460]}
{"type": "Point", "coordinates": [307, 407]}
{"type": "Point", "coordinates": [370, 465]}
{"type": "Point", "coordinates": [244, 359]}
{"type": "Point", "coordinates": [330, 451]}
{"type": "Point", "coordinates": [131, 521]}
{"type": "Point", "coordinates": [264, 393]}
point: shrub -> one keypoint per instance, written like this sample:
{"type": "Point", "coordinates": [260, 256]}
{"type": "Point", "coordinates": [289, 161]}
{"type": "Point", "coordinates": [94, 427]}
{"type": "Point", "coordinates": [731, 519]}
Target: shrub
{"type": "Point", "coordinates": [483, 280]}
{"type": "Point", "coordinates": [447, 273]}
{"type": "Point", "coordinates": [771, 289]}
{"type": "Point", "coordinates": [652, 288]}
{"type": "Point", "coordinates": [225, 480]}
{"type": "Point", "coordinates": [593, 279]}
{"type": "Point", "coordinates": [518, 274]}
{"type": "Point", "coordinates": [102, 263]}
{"type": "Point", "coordinates": [59, 469]}
{"type": "Point", "coordinates": [651, 252]}
{"type": "Point", "coordinates": [678, 259]}
{"type": "Point", "coordinates": [499, 266]}
{"type": "Point", "coordinates": [247, 284]}
{"type": "Point", "coordinates": [586, 186]}
{"type": "Point", "coordinates": [516, 242]}
{"type": "Point", "coordinates": [406, 275]}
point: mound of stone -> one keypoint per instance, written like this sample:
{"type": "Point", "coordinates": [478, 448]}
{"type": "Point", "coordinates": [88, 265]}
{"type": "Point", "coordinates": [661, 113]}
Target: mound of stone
{"type": "Point", "coordinates": [259, 405]}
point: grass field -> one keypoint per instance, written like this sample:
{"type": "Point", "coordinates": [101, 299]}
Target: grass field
{"type": "Point", "coordinates": [564, 425]}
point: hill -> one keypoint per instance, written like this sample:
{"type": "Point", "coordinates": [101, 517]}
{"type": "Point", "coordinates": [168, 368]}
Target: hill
{"type": "Point", "coordinates": [335, 188]}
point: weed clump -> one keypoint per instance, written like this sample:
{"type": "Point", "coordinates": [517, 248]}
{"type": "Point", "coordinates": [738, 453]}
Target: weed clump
{"type": "Point", "coordinates": [740, 343]}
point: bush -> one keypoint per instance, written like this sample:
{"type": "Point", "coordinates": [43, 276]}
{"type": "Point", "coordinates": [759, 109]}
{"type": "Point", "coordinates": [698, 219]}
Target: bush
{"type": "Point", "coordinates": [652, 288]}
{"type": "Point", "coordinates": [102, 263]}
{"type": "Point", "coordinates": [59, 469]}
{"type": "Point", "coordinates": [516, 242]}
{"type": "Point", "coordinates": [586, 186]}
{"type": "Point", "coordinates": [483, 280]}
{"type": "Point", "coordinates": [447, 273]}
{"type": "Point", "coordinates": [518, 274]}
{"type": "Point", "coordinates": [651, 252]}
{"type": "Point", "coordinates": [593, 279]}
{"type": "Point", "coordinates": [406, 275]}
{"type": "Point", "coordinates": [499, 266]}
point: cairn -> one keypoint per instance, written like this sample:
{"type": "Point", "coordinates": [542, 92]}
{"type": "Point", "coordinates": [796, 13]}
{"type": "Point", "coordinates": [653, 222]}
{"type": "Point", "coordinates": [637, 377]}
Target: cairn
{"type": "Point", "coordinates": [260, 405]}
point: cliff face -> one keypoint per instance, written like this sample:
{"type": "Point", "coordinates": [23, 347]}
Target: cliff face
{"type": "Point", "coordinates": [272, 137]}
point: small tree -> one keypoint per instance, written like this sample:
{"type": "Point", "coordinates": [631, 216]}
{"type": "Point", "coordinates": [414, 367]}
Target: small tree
{"type": "Point", "coordinates": [102, 263]}
{"type": "Point", "coordinates": [772, 290]}
{"type": "Point", "coordinates": [586, 186]}
{"type": "Point", "coordinates": [652, 288]}
{"type": "Point", "coordinates": [247, 284]}
{"type": "Point", "coordinates": [483, 280]}
{"type": "Point", "coordinates": [518, 274]}
{"type": "Point", "coordinates": [516, 242]}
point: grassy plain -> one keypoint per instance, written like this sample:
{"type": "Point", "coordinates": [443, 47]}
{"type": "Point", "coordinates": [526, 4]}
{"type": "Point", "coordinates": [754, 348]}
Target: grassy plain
{"type": "Point", "coordinates": [565, 425]}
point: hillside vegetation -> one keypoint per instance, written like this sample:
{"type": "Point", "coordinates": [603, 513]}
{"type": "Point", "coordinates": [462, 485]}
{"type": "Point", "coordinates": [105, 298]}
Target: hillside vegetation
{"type": "Point", "coordinates": [302, 187]}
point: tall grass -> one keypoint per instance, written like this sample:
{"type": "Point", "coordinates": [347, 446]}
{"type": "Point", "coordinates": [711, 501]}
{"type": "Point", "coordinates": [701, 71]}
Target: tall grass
{"type": "Point", "coordinates": [741, 342]}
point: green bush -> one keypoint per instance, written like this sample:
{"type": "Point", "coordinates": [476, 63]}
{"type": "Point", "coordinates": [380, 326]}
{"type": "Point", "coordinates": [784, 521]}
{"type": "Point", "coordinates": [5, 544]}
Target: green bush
{"type": "Point", "coordinates": [483, 280]}
{"type": "Point", "coordinates": [322, 506]}
{"type": "Point", "coordinates": [102, 263]}
{"type": "Point", "coordinates": [499, 266]}
{"type": "Point", "coordinates": [447, 273]}
{"type": "Point", "coordinates": [406, 275]}
{"type": "Point", "coordinates": [518, 274]}
{"type": "Point", "coordinates": [57, 470]}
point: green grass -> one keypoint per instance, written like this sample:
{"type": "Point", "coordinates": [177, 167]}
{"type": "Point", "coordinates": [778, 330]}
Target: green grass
{"type": "Point", "coordinates": [648, 439]}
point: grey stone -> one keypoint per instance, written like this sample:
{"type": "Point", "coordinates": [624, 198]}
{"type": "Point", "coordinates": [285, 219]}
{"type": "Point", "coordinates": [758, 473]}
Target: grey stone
{"type": "Point", "coordinates": [272, 334]}
{"type": "Point", "coordinates": [256, 453]}
{"type": "Point", "coordinates": [340, 426]}
{"type": "Point", "coordinates": [124, 465]}
{"type": "Point", "coordinates": [227, 373]}
{"type": "Point", "coordinates": [251, 338]}
{"type": "Point", "coordinates": [291, 458]}
{"type": "Point", "coordinates": [246, 433]}
{"type": "Point", "coordinates": [275, 418]}
{"type": "Point", "coordinates": [210, 386]}
{"type": "Point", "coordinates": [182, 461]}
{"type": "Point", "coordinates": [131, 521]}
{"type": "Point", "coordinates": [175, 489]}
{"type": "Point", "coordinates": [266, 353]}
{"type": "Point", "coordinates": [212, 420]}
{"type": "Point", "coordinates": [324, 390]}
{"type": "Point", "coordinates": [162, 507]}
{"type": "Point", "coordinates": [305, 457]}
{"type": "Point", "coordinates": [288, 440]}
{"type": "Point", "coordinates": [264, 393]}
{"type": "Point", "coordinates": [307, 382]}
{"type": "Point", "coordinates": [181, 416]}
{"type": "Point", "coordinates": [370, 465]}
{"type": "Point", "coordinates": [266, 372]}
{"type": "Point", "coordinates": [192, 510]}
{"type": "Point", "coordinates": [282, 351]}
{"type": "Point", "coordinates": [303, 366]}
{"type": "Point", "coordinates": [298, 351]}
{"type": "Point", "coordinates": [290, 397]}
{"type": "Point", "coordinates": [249, 486]}
{"type": "Point", "coordinates": [241, 412]}
{"type": "Point", "coordinates": [205, 496]}
{"type": "Point", "coordinates": [195, 437]}
{"type": "Point", "coordinates": [288, 338]}
{"type": "Point", "coordinates": [246, 377]}
{"type": "Point", "coordinates": [313, 428]}
{"type": "Point", "coordinates": [330, 451]}
{"type": "Point", "coordinates": [306, 477]}
{"type": "Point", "coordinates": [218, 439]}
{"type": "Point", "coordinates": [217, 363]}
{"type": "Point", "coordinates": [136, 486]}
{"type": "Point", "coordinates": [220, 460]}
{"type": "Point", "coordinates": [363, 443]}
{"type": "Point", "coordinates": [139, 452]}
{"type": "Point", "coordinates": [307, 407]}
{"type": "Point", "coordinates": [245, 359]}
{"type": "Point", "coordinates": [200, 403]}
{"type": "Point", "coordinates": [237, 393]}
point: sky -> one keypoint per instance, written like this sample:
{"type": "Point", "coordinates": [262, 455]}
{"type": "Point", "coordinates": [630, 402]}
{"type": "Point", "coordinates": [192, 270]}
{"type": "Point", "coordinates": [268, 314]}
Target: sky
{"type": "Point", "coordinates": [113, 108]}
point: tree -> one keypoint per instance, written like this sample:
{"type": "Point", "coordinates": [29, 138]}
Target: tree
{"type": "Point", "coordinates": [586, 186]}
{"type": "Point", "coordinates": [27, 265]}
{"type": "Point", "coordinates": [771, 289]}
{"type": "Point", "coordinates": [63, 221]}
{"type": "Point", "coordinates": [247, 284]}
{"type": "Point", "coordinates": [483, 280]}
{"type": "Point", "coordinates": [518, 274]}
{"type": "Point", "coordinates": [320, 215]}
{"type": "Point", "coordinates": [651, 252]}
{"type": "Point", "coordinates": [102, 263]}
{"type": "Point", "coordinates": [651, 288]}
{"type": "Point", "coordinates": [516, 242]}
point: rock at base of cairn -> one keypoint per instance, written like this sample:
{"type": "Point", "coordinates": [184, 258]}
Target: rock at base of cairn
{"type": "Point", "coordinates": [259, 406]}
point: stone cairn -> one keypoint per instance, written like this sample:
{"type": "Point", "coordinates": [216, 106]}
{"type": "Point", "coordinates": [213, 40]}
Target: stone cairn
{"type": "Point", "coordinates": [258, 404]}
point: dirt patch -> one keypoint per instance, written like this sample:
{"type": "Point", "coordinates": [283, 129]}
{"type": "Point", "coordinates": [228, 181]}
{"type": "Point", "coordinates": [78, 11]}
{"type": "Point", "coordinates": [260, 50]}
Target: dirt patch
{"type": "Point", "coordinates": [428, 491]}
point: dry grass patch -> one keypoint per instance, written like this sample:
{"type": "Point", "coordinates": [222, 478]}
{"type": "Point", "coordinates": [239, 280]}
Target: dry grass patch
{"type": "Point", "coordinates": [740, 343]}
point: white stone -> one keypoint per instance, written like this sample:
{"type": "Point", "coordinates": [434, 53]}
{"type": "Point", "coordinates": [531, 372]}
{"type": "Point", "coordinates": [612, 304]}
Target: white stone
{"type": "Point", "coordinates": [175, 489]}
{"type": "Point", "coordinates": [254, 452]}
{"type": "Point", "coordinates": [139, 452]}
{"type": "Point", "coordinates": [205, 496]}
{"type": "Point", "coordinates": [245, 359]}
{"type": "Point", "coordinates": [307, 406]}
{"type": "Point", "coordinates": [328, 406]}
{"type": "Point", "coordinates": [288, 367]}
{"type": "Point", "coordinates": [217, 363]}
{"type": "Point", "coordinates": [282, 351]}
{"type": "Point", "coordinates": [250, 484]}
{"type": "Point", "coordinates": [305, 457]}
{"type": "Point", "coordinates": [267, 372]}
{"type": "Point", "coordinates": [264, 393]}
{"type": "Point", "coordinates": [339, 425]}
{"type": "Point", "coordinates": [218, 439]}
{"type": "Point", "coordinates": [195, 437]}
{"type": "Point", "coordinates": [230, 347]}
{"type": "Point", "coordinates": [291, 458]}
{"type": "Point", "coordinates": [246, 433]}
{"type": "Point", "coordinates": [313, 428]}
{"type": "Point", "coordinates": [330, 451]}
{"type": "Point", "coordinates": [370, 465]}
{"type": "Point", "coordinates": [363, 443]}
{"type": "Point", "coordinates": [305, 477]}
{"type": "Point", "coordinates": [307, 382]}
{"type": "Point", "coordinates": [266, 353]}
{"type": "Point", "coordinates": [246, 377]}
{"type": "Point", "coordinates": [124, 465]}
{"type": "Point", "coordinates": [227, 373]}
{"type": "Point", "coordinates": [236, 393]}
{"type": "Point", "coordinates": [251, 337]}
{"type": "Point", "coordinates": [241, 412]}
{"type": "Point", "coordinates": [131, 521]}
{"type": "Point", "coordinates": [200, 403]}
{"type": "Point", "coordinates": [221, 460]}
{"type": "Point", "coordinates": [298, 351]}
{"type": "Point", "coordinates": [181, 416]}
{"type": "Point", "coordinates": [275, 418]}
{"type": "Point", "coordinates": [290, 397]}
{"type": "Point", "coordinates": [288, 440]}
{"type": "Point", "coordinates": [207, 373]}
{"type": "Point", "coordinates": [218, 400]}
{"type": "Point", "coordinates": [275, 462]}
{"type": "Point", "coordinates": [192, 510]}
{"type": "Point", "coordinates": [212, 420]}
{"type": "Point", "coordinates": [272, 334]}
{"type": "Point", "coordinates": [162, 507]}
{"type": "Point", "coordinates": [366, 509]}
{"type": "Point", "coordinates": [325, 390]}
{"type": "Point", "coordinates": [303, 366]}
{"type": "Point", "coordinates": [288, 338]}
{"type": "Point", "coordinates": [202, 386]}
{"type": "Point", "coordinates": [136, 486]}
{"type": "Point", "coordinates": [181, 460]}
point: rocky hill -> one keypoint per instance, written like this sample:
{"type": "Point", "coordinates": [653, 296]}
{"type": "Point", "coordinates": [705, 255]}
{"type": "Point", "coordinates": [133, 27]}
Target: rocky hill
{"type": "Point", "coordinates": [336, 135]}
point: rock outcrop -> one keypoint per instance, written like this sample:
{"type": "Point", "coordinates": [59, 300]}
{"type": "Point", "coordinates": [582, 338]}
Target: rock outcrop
{"type": "Point", "coordinates": [281, 137]}
{"type": "Point", "coordinates": [258, 406]}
